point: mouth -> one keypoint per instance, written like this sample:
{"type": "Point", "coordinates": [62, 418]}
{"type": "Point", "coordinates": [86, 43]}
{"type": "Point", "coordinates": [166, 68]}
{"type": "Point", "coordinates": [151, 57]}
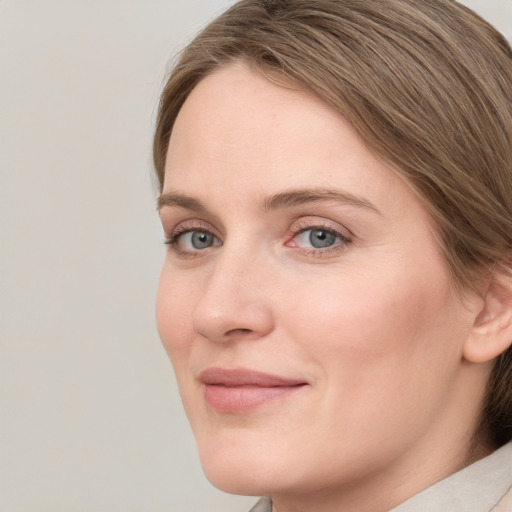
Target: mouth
{"type": "Point", "coordinates": [242, 390]}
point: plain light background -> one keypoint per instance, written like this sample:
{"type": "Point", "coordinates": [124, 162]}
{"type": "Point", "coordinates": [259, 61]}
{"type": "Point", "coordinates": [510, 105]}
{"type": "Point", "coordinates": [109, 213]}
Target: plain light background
{"type": "Point", "coordinates": [90, 417]}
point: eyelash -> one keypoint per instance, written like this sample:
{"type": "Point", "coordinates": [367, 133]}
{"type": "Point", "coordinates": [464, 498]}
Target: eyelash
{"type": "Point", "coordinates": [297, 230]}
{"type": "Point", "coordinates": [181, 230]}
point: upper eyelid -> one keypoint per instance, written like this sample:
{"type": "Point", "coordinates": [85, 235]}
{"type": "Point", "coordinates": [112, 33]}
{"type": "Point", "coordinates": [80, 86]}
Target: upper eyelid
{"type": "Point", "coordinates": [323, 228]}
{"type": "Point", "coordinates": [343, 237]}
{"type": "Point", "coordinates": [191, 225]}
{"type": "Point", "coordinates": [303, 224]}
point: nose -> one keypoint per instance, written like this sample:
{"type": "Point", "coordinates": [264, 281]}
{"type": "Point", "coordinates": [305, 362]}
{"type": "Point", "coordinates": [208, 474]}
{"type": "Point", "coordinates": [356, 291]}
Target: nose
{"type": "Point", "coordinates": [235, 303]}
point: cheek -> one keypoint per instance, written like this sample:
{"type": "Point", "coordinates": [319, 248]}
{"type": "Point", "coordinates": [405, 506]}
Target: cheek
{"type": "Point", "coordinates": [174, 304]}
{"type": "Point", "coordinates": [385, 350]}
{"type": "Point", "coordinates": [380, 326]}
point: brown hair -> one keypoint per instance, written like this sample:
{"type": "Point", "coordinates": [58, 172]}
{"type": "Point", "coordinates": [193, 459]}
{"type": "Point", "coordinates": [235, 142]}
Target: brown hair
{"type": "Point", "coordinates": [426, 84]}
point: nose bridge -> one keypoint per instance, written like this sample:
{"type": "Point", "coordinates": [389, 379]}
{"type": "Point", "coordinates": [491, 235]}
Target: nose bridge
{"type": "Point", "coordinates": [234, 302]}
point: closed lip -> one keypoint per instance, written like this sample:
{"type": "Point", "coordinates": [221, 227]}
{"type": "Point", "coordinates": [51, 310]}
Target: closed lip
{"type": "Point", "coordinates": [240, 377]}
{"type": "Point", "coordinates": [240, 390]}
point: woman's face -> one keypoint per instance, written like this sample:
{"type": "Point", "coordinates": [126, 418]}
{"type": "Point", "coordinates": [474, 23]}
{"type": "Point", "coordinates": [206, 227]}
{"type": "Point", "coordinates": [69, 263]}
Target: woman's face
{"type": "Point", "coordinates": [304, 302]}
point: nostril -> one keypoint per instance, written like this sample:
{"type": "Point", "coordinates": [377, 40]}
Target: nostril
{"type": "Point", "coordinates": [235, 332]}
{"type": "Point", "coordinates": [229, 320]}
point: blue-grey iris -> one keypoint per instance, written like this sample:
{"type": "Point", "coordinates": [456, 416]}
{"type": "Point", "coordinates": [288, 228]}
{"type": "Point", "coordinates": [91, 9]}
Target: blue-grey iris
{"type": "Point", "coordinates": [201, 240]}
{"type": "Point", "coordinates": [320, 238]}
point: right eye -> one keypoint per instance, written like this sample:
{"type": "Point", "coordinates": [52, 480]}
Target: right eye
{"type": "Point", "coordinates": [192, 241]}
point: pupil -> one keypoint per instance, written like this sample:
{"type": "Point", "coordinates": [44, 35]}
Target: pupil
{"type": "Point", "coordinates": [320, 238]}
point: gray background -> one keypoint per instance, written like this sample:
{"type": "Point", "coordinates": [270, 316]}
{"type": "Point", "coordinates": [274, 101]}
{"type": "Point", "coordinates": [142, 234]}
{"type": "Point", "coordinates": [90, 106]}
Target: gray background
{"type": "Point", "coordinates": [90, 417]}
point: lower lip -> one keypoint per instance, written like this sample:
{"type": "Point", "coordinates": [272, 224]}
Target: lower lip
{"type": "Point", "coordinates": [237, 399]}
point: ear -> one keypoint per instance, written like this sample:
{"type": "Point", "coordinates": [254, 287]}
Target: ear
{"type": "Point", "coordinates": [491, 334]}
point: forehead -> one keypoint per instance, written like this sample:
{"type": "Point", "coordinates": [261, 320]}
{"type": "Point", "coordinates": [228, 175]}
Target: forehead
{"type": "Point", "coordinates": [239, 134]}
{"type": "Point", "coordinates": [236, 108]}
{"type": "Point", "coordinates": [236, 114]}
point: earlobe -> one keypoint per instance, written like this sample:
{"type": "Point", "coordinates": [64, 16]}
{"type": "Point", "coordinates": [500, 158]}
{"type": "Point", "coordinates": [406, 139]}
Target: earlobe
{"type": "Point", "coordinates": [491, 334]}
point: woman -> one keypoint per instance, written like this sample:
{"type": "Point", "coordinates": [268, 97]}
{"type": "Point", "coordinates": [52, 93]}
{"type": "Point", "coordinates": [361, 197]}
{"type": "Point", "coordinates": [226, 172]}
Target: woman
{"type": "Point", "coordinates": [336, 300]}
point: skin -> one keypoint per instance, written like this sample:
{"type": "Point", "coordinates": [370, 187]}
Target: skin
{"type": "Point", "coordinates": [371, 323]}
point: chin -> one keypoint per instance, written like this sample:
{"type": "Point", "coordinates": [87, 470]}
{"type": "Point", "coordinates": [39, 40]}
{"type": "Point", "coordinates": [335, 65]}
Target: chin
{"type": "Point", "coordinates": [241, 483]}
{"type": "Point", "coordinates": [239, 477]}
{"type": "Point", "coordinates": [242, 467]}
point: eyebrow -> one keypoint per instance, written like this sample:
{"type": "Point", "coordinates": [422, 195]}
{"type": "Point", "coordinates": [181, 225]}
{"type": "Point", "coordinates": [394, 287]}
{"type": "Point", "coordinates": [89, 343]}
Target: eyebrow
{"type": "Point", "coordinates": [286, 199]}
{"type": "Point", "coordinates": [299, 197]}
{"type": "Point", "coordinates": [175, 200]}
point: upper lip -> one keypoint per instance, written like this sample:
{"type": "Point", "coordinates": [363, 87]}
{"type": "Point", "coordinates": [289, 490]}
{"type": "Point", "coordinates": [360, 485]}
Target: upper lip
{"type": "Point", "coordinates": [244, 377]}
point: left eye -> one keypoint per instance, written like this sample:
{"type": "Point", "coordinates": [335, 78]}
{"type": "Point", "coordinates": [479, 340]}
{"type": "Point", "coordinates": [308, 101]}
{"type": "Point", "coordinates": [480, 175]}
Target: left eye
{"type": "Point", "coordinates": [317, 238]}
